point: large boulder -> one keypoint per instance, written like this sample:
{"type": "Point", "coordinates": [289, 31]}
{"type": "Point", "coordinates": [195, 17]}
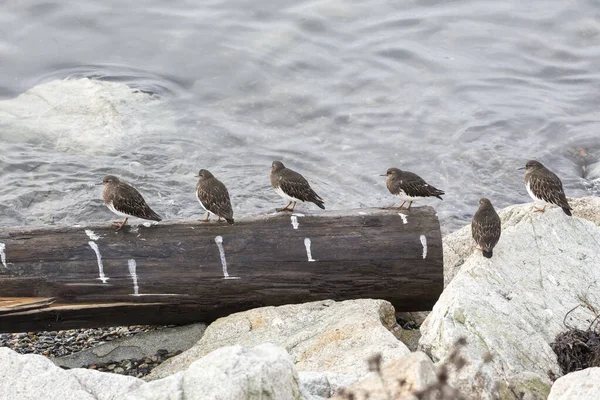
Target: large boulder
{"type": "Point", "coordinates": [513, 305]}
{"type": "Point", "coordinates": [459, 245]}
{"type": "Point", "coordinates": [580, 385]}
{"type": "Point", "coordinates": [264, 372]}
{"type": "Point", "coordinates": [33, 377]}
{"type": "Point", "coordinates": [323, 336]}
{"type": "Point", "coordinates": [398, 379]}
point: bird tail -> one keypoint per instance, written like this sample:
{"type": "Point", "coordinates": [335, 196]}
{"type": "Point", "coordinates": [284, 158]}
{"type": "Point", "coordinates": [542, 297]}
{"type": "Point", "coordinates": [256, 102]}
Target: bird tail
{"type": "Point", "coordinates": [153, 216]}
{"type": "Point", "coordinates": [229, 221]}
{"type": "Point", "coordinates": [567, 211]}
{"type": "Point", "coordinates": [438, 193]}
{"type": "Point", "coordinates": [487, 254]}
{"type": "Point", "coordinates": [315, 198]}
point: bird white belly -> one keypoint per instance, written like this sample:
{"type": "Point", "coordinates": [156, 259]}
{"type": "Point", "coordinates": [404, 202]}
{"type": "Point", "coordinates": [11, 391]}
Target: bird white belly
{"type": "Point", "coordinates": [119, 213]}
{"type": "Point", "coordinates": [404, 197]}
{"type": "Point", "coordinates": [285, 196]}
{"type": "Point", "coordinates": [533, 196]}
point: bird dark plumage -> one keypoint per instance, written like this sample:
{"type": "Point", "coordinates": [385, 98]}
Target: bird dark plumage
{"type": "Point", "coordinates": [409, 187]}
{"type": "Point", "coordinates": [292, 187]}
{"type": "Point", "coordinates": [124, 200]}
{"type": "Point", "coordinates": [213, 196]}
{"type": "Point", "coordinates": [486, 227]}
{"type": "Point", "coordinates": [544, 186]}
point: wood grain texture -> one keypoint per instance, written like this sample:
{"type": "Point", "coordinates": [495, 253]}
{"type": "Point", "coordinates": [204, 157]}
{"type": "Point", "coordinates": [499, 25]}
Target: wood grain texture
{"type": "Point", "coordinates": [363, 253]}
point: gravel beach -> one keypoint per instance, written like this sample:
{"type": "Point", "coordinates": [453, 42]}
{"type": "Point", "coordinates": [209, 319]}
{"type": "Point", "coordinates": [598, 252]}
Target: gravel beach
{"type": "Point", "coordinates": [65, 342]}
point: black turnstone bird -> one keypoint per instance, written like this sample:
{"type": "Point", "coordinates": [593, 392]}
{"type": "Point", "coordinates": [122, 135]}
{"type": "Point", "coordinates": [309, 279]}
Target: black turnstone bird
{"type": "Point", "coordinates": [545, 187]}
{"type": "Point", "coordinates": [292, 187]}
{"type": "Point", "coordinates": [213, 197]}
{"type": "Point", "coordinates": [486, 227]}
{"type": "Point", "coordinates": [409, 187]}
{"type": "Point", "coordinates": [125, 201]}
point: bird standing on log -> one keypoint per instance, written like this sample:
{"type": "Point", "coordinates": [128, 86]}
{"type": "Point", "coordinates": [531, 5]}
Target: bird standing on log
{"type": "Point", "coordinates": [544, 187]}
{"type": "Point", "coordinates": [292, 187]}
{"type": "Point", "coordinates": [125, 201]}
{"type": "Point", "coordinates": [213, 197]}
{"type": "Point", "coordinates": [409, 187]}
{"type": "Point", "coordinates": [486, 227]}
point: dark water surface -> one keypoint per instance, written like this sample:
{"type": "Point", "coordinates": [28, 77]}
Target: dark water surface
{"type": "Point", "coordinates": [460, 92]}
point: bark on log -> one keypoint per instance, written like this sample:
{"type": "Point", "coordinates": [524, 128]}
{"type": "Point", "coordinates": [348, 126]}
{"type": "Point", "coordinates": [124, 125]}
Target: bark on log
{"type": "Point", "coordinates": [178, 272]}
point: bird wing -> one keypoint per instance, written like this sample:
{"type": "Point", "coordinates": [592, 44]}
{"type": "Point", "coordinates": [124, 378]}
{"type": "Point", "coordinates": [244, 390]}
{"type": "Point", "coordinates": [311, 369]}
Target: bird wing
{"type": "Point", "coordinates": [414, 186]}
{"type": "Point", "coordinates": [486, 229]}
{"type": "Point", "coordinates": [549, 188]}
{"type": "Point", "coordinates": [216, 200]}
{"type": "Point", "coordinates": [294, 185]}
{"type": "Point", "coordinates": [129, 201]}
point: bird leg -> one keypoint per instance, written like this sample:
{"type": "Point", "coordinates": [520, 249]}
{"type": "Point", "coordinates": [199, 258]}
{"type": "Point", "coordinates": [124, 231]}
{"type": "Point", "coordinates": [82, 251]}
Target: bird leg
{"type": "Point", "coordinates": [119, 225]}
{"type": "Point", "coordinates": [207, 217]}
{"type": "Point", "coordinates": [284, 208]}
{"type": "Point", "coordinates": [409, 204]}
{"type": "Point", "coordinates": [401, 205]}
{"type": "Point", "coordinates": [540, 209]}
{"type": "Point", "coordinates": [293, 206]}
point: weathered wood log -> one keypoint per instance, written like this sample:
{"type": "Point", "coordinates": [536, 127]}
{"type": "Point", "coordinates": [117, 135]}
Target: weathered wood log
{"type": "Point", "coordinates": [178, 272]}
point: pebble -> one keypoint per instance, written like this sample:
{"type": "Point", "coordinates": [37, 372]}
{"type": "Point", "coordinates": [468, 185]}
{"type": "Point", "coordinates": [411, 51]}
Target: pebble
{"type": "Point", "coordinates": [65, 342]}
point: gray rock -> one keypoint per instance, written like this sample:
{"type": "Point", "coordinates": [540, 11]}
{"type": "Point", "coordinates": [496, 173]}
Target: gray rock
{"type": "Point", "coordinates": [459, 245]}
{"type": "Point", "coordinates": [34, 377]}
{"type": "Point", "coordinates": [580, 385]}
{"type": "Point", "coordinates": [323, 336]}
{"type": "Point", "coordinates": [513, 305]}
{"type": "Point", "coordinates": [263, 372]}
{"type": "Point", "coordinates": [135, 347]}
{"type": "Point", "coordinates": [324, 384]}
{"type": "Point", "coordinates": [398, 379]}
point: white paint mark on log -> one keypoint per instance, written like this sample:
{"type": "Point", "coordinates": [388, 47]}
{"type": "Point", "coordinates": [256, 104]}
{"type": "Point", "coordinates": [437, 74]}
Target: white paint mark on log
{"type": "Point", "coordinates": [295, 223]}
{"type": "Point", "coordinates": [3, 254]}
{"type": "Point", "coordinates": [219, 242]}
{"type": "Point", "coordinates": [101, 275]}
{"type": "Point", "coordinates": [424, 243]}
{"type": "Point", "coordinates": [91, 234]}
{"type": "Point", "coordinates": [132, 271]}
{"type": "Point", "coordinates": [404, 218]}
{"type": "Point", "coordinates": [362, 213]}
{"type": "Point", "coordinates": [308, 252]}
{"type": "Point", "coordinates": [298, 214]}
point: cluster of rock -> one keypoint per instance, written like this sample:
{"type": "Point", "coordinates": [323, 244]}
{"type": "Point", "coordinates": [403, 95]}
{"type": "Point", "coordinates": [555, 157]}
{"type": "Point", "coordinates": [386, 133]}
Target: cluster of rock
{"type": "Point", "coordinates": [507, 310]}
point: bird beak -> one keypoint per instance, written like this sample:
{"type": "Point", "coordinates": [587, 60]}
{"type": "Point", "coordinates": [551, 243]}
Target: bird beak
{"type": "Point", "coordinates": [521, 168]}
{"type": "Point", "coordinates": [98, 184]}
{"type": "Point", "coordinates": [383, 175]}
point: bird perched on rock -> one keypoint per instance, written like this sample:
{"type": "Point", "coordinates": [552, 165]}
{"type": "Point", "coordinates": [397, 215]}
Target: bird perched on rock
{"type": "Point", "coordinates": [409, 187]}
{"type": "Point", "coordinates": [213, 197]}
{"type": "Point", "coordinates": [292, 187]}
{"type": "Point", "coordinates": [125, 201]}
{"type": "Point", "coordinates": [486, 227]}
{"type": "Point", "coordinates": [545, 187]}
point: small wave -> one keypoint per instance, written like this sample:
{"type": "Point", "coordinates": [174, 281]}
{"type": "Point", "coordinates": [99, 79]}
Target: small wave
{"type": "Point", "coordinates": [156, 85]}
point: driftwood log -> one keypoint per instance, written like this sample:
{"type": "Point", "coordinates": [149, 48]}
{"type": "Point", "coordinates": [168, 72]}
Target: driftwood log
{"type": "Point", "coordinates": [180, 272]}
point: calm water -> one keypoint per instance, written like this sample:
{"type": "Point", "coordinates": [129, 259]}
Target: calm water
{"type": "Point", "coordinates": [460, 92]}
